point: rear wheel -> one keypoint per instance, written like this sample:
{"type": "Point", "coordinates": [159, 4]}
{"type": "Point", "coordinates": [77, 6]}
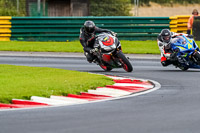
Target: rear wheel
{"type": "Point", "coordinates": [184, 68]}
{"type": "Point", "coordinates": [125, 62]}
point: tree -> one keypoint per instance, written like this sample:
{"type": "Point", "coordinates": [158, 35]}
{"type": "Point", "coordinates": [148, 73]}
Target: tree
{"type": "Point", "coordinates": [9, 8]}
{"type": "Point", "coordinates": [110, 8]}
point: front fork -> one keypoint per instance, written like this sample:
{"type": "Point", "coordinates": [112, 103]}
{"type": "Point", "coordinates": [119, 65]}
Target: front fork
{"type": "Point", "coordinates": [196, 56]}
{"type": "Point", "coordinates": [116, 58]}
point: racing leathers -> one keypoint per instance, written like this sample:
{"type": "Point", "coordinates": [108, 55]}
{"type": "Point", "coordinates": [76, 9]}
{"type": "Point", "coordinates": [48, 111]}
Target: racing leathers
{"type": "Point", "coordinates": [168, 56]}
{"type": "Point", "coordinates": [87, 40]}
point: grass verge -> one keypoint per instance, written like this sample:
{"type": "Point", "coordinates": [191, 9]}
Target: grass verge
{"type": "Point", "coordinates": [128, 47]}
{"type": "Point", "coordinates": [137, 47]}
{"type": "Point", "coordinates": [22, 82]}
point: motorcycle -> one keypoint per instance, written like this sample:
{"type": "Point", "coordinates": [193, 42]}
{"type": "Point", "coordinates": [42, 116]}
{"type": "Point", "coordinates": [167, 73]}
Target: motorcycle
{"type": "Point", "coordinates": [109, 53]}
{"type": "Point", "coordinates": [188, 55]}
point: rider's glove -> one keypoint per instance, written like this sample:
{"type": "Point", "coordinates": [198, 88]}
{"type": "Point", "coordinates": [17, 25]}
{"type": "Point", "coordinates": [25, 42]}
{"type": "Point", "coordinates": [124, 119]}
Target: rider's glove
{"type": "Point", "coordinates": [173, 56]}
{"type": "Point", "coordinates": [93, 50]}
{"type": "Point", "coordinates": [113, 33]}
{"type": "Point", "coordinates": [190, 36]}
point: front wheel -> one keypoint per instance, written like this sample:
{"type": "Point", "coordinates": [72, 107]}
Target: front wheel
{"type": "Point", "coordinates": [197, 56]}
{"type": "Point", "coordinates": [125, 62]}
{"type": "Point", "coordinates": [105, 68]}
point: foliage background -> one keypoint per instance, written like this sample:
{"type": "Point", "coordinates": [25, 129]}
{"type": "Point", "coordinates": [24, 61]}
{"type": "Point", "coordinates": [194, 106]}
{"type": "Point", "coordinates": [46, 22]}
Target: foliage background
{"type": "Point", "coordinates": [9, 8]}
{"type": "Point", "coordinates": [147, 2]}
{"type": "Point", "coordinates": [110, 8]}
{"type": "Point", "coordinates": [97, 7]}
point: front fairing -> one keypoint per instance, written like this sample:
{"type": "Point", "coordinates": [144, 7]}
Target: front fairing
{"type": "Point", "coordinates": [108, 46]}
{"type": "Point", "coordinates": [185, 45]}
{"type": "Point", "coordinates": [107, 49]}
{"type": "Point", "coordinates": [106, 43]}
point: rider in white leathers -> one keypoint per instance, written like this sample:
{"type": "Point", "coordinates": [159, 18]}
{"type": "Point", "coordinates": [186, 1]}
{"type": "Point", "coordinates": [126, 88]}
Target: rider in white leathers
{"type": "Point", "coordinates": [168, 56]}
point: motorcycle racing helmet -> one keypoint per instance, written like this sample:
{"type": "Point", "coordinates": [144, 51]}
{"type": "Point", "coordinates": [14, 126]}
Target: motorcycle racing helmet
{"type": "Point", "coordinates": [166, 36]}
{"type": "Point", "coordinates": [89, 26]}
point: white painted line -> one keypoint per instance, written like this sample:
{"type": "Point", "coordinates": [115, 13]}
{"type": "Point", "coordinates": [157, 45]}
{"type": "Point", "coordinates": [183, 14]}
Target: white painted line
{"type": "Point", "coordinates": [136, 85]}
{"type": "Point", "coordinates": [108, 93]}
{"type": "Point", "coordinates": [69, 99]}
{"type": "Point", "coordinates": [49, 101]}
{"type": "Point", "coordinates": [116, 77]}
{"type": "Point", "coordinates": [115, 91]}
{"type": "Point", "coordinates": [121, 78]}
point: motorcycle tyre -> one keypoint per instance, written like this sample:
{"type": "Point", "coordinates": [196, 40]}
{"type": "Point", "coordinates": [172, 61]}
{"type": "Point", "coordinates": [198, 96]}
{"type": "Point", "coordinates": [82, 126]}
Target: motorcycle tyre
{"type": "Point", "coordinates": [197, 56]}
{"type": "Point", "coordinates": [105, 68]}
{"type": "Point", "coordinates": [125, 62]}
{"type": "Point", "coordinates": [184, 68]}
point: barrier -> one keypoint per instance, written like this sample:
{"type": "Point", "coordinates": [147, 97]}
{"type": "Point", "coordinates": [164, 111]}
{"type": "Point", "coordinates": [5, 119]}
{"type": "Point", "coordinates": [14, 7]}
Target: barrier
{"type": "Point", "coordinates": [68, 28]}
{"type": "Point", "coordinates": [179, 23]}
{"type": "Point", "coordinates": [5, 25]}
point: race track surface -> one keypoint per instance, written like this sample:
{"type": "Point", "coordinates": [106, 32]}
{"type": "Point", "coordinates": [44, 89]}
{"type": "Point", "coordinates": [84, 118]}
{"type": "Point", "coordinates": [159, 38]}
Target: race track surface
{"type": "Point", "coordinates": [174, 108]}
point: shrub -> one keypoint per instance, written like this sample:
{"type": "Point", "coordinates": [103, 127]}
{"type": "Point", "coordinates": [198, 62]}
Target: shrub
{"type": "Point", "coordinates": [110, 8]}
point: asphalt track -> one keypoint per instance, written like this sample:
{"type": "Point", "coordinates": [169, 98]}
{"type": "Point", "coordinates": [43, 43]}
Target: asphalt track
{"type": "Point", "coordinates": [174, 108]}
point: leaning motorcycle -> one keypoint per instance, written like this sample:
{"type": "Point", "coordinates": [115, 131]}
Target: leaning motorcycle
{"type": "Point", "coordinates": [188, 55]}
{"type": "Point", "coordinates": [109, 53]}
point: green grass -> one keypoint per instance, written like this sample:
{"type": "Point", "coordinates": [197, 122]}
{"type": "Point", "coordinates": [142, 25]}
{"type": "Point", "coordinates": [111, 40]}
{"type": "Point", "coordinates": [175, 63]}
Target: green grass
{"type": "Point", "coordinates": [128, 47]}
{"type": "Point", "coordinates": [41, 46]}
{"type": "Point", "coordinates": [140, 47]}
{"type": "Point", "coordinates": [137, 47]}
{"type": "Point", "coordinates": [22, 82]}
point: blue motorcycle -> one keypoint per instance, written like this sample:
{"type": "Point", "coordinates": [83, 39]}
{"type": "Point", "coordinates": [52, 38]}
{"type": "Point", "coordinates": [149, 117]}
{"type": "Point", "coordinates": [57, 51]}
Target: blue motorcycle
{"type": "Point", "coordinates": [188, 55]}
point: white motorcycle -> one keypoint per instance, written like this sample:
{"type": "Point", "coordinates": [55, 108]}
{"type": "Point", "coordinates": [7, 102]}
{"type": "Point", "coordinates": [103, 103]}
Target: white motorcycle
{"type": "Point", "coordinates": [109, 53]}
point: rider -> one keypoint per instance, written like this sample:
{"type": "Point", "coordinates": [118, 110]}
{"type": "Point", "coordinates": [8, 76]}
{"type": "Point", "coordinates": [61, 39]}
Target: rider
{"type": "Point", "coordinates": [168, 56]}
{"type": "Point", "coordinates": [87, 38]}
